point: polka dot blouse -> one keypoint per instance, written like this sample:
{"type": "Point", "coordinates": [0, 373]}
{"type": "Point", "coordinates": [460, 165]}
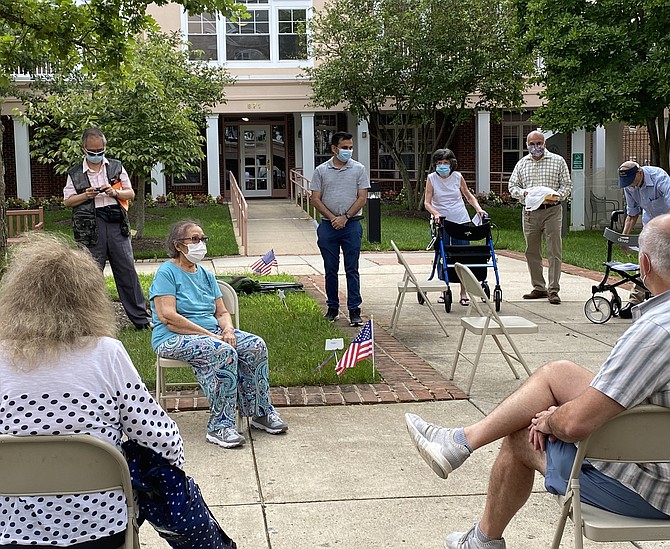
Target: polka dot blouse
{"type": "Point", "coordinates": [97, 391]}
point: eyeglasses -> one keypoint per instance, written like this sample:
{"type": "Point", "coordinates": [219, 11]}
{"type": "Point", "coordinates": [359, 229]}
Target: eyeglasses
{"type": "Point", "coordinates": [196, 239]}
{"type": "Point", "coordinates": [96, 153]}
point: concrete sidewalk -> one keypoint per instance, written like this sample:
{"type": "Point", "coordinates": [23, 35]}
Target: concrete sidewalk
{"type": "Point", "coordinates": [348, 476]}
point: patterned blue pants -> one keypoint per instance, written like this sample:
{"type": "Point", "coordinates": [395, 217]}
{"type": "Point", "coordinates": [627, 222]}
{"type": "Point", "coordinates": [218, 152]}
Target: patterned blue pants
{"type": "Point", "coordinates": [227, 375]}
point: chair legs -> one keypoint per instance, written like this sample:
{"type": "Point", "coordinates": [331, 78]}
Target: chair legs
{"type": "Point", "coordinates": [475, 362]}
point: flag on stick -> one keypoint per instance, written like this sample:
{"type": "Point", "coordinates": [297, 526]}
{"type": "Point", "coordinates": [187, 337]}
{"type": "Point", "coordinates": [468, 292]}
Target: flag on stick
{"type": "Point", "coordinates": [361, 347]}
{"type": "Point", "coordinates": [331, 357]}
{"type": "Point", "coordinates": [264, 264]}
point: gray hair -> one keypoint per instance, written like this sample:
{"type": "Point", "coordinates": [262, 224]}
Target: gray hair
{"type": "Point", "coordinates": [655, 242]}
{"type": "Point", "coordinates": [52, 299]}
{"type": "Point", "coordinates": [93, 132]}
{"type": "Point", "coordinates": [178, 233]}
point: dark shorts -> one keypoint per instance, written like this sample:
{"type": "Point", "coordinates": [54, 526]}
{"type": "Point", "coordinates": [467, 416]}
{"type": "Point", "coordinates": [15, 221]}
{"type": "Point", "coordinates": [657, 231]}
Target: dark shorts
{"type": "Point", "coordinates": [597, 488]}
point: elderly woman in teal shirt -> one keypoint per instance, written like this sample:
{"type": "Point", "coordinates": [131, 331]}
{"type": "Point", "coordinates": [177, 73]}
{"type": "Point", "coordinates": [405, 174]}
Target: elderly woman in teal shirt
{"type": "Point", "coordinates": [191, 323]}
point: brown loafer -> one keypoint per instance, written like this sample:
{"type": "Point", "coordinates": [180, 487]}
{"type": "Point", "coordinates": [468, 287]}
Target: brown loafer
{"type": "Point", "coordinates": [554, 299]}
{"type": "Point", "coordinates": [536, 294]}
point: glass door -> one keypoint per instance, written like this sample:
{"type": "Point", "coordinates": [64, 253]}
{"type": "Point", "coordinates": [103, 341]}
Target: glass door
{"type": "Point", "coordinates": [255, 162]}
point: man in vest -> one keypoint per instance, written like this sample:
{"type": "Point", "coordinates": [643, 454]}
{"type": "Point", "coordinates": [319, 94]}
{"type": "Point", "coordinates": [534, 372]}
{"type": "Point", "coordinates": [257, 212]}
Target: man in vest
{"type": "Point", "coordinates": [98, 191]}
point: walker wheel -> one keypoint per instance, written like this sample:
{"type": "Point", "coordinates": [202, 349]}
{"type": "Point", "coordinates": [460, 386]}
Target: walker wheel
{"type": "Point", "coordinates": [598, 309]}
{"type": "Point", "coordinates": [447, 300]}
{"type": "Point", "coordinates": [497, 298]}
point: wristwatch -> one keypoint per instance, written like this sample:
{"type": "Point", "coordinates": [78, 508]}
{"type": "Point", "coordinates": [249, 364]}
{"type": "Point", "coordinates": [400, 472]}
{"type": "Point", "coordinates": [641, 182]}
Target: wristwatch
{"type": "Point", "coordinates": [346, 214]}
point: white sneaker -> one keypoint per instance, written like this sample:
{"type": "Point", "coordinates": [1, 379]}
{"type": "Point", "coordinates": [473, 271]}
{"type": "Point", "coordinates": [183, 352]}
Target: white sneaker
{"type": "Point", "coordinates": [436, 445]}
{"type": "Point", "coordinates": [469, 540]}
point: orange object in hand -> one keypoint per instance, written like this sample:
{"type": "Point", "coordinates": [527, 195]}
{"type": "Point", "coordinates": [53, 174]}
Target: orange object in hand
{"type": "Point", "coordinates": [118, 187]}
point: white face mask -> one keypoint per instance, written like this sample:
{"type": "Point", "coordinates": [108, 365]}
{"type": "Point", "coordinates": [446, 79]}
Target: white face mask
{"type": "Point", "coordinates": [196, 252]}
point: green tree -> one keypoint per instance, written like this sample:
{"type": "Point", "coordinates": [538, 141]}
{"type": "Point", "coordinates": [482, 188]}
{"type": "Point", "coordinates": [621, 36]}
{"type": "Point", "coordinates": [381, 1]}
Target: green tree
{"type": "Point", "coordinates": [411, 60]}
{"type": "Point", "coordinates": [602, 61]}
{"type": "Point", "coordinates": [61, 34]}
{"type": "Point", "coordinates": [154, 114]}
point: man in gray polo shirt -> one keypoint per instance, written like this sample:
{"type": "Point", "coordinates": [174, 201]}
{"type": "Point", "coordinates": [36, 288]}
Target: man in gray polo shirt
{"type": "Point", "coordinates": [339, 191]}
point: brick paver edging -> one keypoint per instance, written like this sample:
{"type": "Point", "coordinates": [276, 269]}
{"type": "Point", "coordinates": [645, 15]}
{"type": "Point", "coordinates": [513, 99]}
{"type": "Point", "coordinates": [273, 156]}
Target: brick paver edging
{"type": "Point", "coordinates": [406, 377]}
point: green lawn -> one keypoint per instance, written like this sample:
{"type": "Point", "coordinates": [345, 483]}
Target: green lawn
{"type": "Point", "coordinates": [215, 221]}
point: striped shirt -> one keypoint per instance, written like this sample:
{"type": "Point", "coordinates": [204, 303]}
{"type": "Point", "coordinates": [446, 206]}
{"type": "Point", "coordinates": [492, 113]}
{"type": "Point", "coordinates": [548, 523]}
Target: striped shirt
{"type": "Point", "coordinates": [549, 171]}
{"type": "Point", "coordinates": [638, 372]}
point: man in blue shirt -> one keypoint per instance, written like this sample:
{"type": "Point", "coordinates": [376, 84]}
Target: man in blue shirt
{"type": "Point", "coordinates": [647, 191]}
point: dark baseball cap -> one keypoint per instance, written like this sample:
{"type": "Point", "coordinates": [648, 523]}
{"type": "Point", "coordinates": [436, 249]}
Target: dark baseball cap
{"type": "Point", "coordinates": [627, 175]}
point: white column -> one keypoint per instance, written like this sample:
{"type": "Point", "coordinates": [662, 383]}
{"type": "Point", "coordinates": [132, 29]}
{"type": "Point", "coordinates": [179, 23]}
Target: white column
{"type": "Point", "coordinates": [212, 135]}
{"type": "Point", "coordinates": [483, 152]}
{"type": "Point", "coordinates": [362, 144]}
{"type": "Point", "coordinates": [24, 187]}
{"type": "Point", "coordinates": [158, 187]}
{"type": "Point", "coordinates": [307, 129]}
{"type": "Point", "coordinates": [581, 179]}
{"type": "Point", "coordinates": [297, 138]}
{"type": "Point", "coordinates": [599, 159]}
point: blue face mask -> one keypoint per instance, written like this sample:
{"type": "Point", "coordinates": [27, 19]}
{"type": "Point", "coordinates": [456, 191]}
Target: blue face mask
{"type": "Point", "coordinates": [536, 150]}
{"type": "Point", "coordinates": [344, 155]}
{"type": "Point", "coordinates": [95, 158]}
{"type": "Point", "coordinates": [443, 170]}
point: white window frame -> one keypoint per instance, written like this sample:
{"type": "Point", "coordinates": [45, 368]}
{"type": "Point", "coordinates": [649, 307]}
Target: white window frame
{"type": "Point", "coordinates": [273, 7]}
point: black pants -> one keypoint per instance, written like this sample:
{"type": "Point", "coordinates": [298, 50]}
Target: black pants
{"type": "Point", "coordinates": [112, 246]}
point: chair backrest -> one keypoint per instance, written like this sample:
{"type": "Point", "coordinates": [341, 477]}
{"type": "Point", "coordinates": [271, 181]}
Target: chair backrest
{"type": "Point", "coordinates": [401, 260]}
{"type": "Point", "coordinates": [50, 465]}
{"type": "Point", "coordinates": [478, 300]}
{"type": "Point", "coordinates": [637, 435]}
{"type": "Point", "coordinates": [627, 240]}
{"type": "Point", "coordinates": [231, 301]}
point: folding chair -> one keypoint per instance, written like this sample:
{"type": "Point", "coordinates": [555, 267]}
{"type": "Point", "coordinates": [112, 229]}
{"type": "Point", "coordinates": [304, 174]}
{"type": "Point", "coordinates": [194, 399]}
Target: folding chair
{"type": "Point", "coordinates": [48, 465]}
{"type": "Point", "coordinates": [410, 284]}
{"type": "Point", "coordinates": [638, 435]}
{"type": "Point", "coordinates": [231, 302]}
{"type": "Point", "coordinates": [482, 319]}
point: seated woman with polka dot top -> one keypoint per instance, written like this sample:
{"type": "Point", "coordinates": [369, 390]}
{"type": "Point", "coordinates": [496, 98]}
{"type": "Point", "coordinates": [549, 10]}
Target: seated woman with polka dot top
{"type": "Point", "coordinates": [62, 372]}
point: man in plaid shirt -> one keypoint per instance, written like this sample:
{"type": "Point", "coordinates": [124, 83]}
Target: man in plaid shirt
{"type": "Point", "coordinates": [542, 168]}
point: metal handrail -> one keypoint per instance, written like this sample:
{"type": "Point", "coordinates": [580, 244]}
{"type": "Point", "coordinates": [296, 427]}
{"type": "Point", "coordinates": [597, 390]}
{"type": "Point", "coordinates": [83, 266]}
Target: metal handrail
{"type": "Point", "coordinates": [240, 212]}
{"type": "Point", "coordinates": [300, 193]}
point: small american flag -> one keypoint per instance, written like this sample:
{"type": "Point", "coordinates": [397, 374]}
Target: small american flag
{"type": "Point", "coordinates": [264, 264]}
{"type": "Point", "coordinates": [361, 347]}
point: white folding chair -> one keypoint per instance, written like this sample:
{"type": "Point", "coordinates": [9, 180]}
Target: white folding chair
{"type": "Point", "coordinates": [231, 302]}
{"type": "Point", "coordinates": [482, 319]}
{"type": "Point", "coordinates": [65, 465]}
{"type": "Point", "coordinates": [637, 435]}
{"type": "Point", "coordinates": [410, 284]}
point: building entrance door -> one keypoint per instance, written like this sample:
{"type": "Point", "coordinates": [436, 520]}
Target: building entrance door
{"type": "Point", "coordinates": [256, 176]}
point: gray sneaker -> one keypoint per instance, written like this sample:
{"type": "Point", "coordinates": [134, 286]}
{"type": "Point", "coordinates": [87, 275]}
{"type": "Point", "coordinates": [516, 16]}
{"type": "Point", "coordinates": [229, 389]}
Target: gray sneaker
{"type": "Point", "coordinates": [228, 437]}
{"type": "Point", "coordinates": [436, 445]}
{"type": "Point", "coordinates": [271, 423]}
{"type": "Point", "coordinates": [469, 540]}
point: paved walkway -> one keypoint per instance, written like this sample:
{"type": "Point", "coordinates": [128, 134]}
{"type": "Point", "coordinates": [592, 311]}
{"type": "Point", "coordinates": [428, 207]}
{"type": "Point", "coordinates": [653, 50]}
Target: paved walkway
{"type": "Point", "coordinates": [347, 476]}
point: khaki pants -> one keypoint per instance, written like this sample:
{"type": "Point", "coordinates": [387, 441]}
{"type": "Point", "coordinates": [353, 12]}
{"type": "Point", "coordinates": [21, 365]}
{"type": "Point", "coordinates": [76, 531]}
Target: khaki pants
{"type": "Point", "coordinates": [547, 222]}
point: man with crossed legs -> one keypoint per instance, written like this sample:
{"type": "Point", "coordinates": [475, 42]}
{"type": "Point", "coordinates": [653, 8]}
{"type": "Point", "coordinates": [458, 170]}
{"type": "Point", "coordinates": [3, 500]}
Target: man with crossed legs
{"type": "Point", "coordinates": [562, 403]}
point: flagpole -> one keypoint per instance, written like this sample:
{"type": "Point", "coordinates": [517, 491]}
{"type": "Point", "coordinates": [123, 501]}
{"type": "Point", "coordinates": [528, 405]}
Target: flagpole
{"type": "Point", "coordinates": [372, 331]}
